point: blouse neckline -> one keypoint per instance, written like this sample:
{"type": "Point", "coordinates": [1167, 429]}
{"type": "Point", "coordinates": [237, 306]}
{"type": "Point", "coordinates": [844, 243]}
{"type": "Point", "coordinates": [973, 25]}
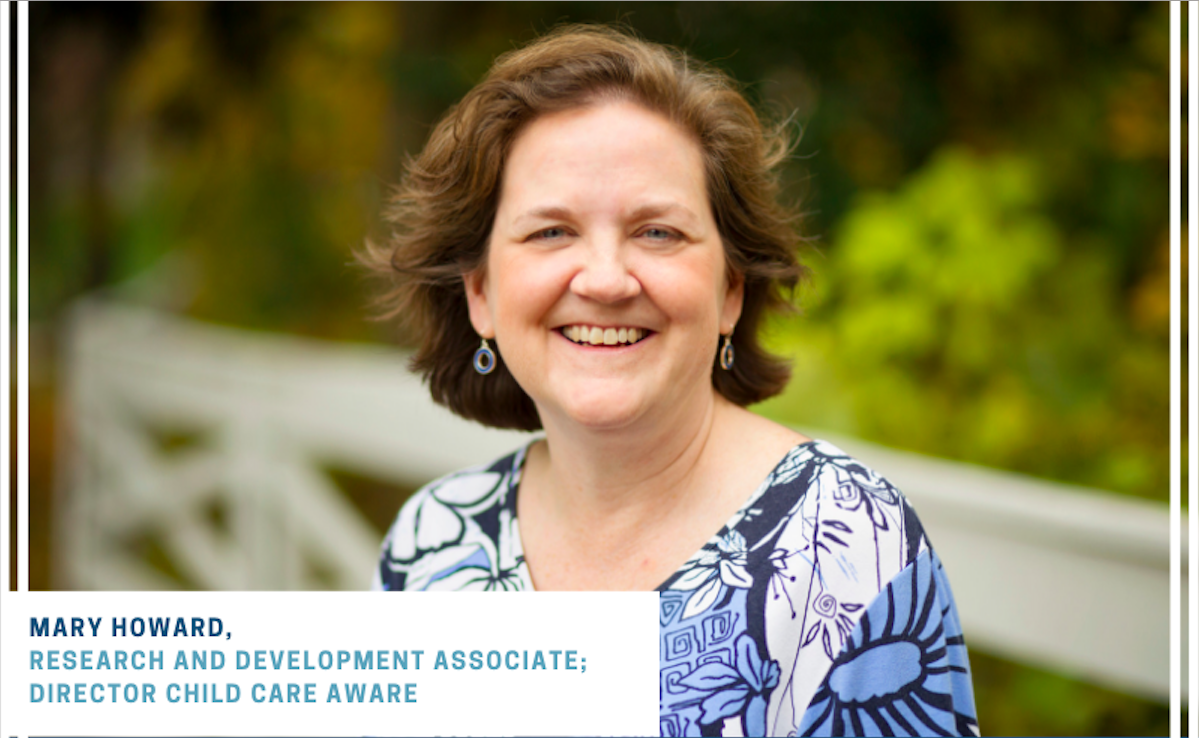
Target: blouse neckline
{"type": "Point", "coordinates": [518, 467]}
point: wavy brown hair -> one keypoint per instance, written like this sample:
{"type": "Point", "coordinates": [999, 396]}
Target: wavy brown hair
{"type": "Point", "coordinates": [442, 212]}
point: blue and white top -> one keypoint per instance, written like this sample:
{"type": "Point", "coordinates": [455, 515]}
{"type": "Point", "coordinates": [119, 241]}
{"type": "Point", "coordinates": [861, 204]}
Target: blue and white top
{"type": "Point", "coordinates": [818, 609]}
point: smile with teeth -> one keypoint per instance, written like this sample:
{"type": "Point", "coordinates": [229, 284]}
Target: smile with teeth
{"type": "Point", "coordinates": [595, 336]}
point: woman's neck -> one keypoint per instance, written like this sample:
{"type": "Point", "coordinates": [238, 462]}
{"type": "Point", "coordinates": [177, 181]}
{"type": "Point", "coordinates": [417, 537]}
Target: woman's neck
{"type": "Point", "coordinates": [607, 469]}
{"type": "Point", "coordinates": [622, 509]}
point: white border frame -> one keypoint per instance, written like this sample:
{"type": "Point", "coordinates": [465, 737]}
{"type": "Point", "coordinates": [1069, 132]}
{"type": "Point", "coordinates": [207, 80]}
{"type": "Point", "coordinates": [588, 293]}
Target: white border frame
{"type": "Point", "coordinates": [22, 459]}
{"type": "Point", "coordinates": [1192, 355]}
{"type": "Point", "coordinates": [1175, 372]}
{"type": "Point", "coordinates": [22, 327]}
{"type": "Point", "coordinates": [5, 291]}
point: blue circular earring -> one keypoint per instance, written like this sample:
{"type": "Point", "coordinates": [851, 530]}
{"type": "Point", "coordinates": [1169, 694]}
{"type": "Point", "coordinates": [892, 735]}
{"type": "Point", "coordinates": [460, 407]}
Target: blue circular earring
{"type": "Point", "coordinates": [726, 353]}
{"type": "Point", "coordinates": [484, 359]}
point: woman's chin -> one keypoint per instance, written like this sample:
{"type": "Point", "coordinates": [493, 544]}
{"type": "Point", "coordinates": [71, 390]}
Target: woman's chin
{"type": "Point", "coordinates": [602, 411]}
{"type": "Point", "coordinates": [603, 418]}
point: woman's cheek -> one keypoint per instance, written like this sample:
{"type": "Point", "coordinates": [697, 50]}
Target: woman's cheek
{"type": "Point", "coordinates": [689, 290]}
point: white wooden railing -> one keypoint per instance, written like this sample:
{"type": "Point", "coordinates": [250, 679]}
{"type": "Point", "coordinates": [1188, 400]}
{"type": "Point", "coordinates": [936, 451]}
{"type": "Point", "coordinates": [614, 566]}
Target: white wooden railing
{"type": "Point", "coordinates": [1063, 577]}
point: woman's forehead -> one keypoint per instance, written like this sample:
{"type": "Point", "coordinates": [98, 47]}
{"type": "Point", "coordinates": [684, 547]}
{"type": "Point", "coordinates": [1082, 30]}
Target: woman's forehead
{"type": "Point", "coordinates": [615, 154]}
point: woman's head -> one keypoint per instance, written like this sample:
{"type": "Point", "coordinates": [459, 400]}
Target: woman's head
{"type": "Point", "coordinates": [446, 207]}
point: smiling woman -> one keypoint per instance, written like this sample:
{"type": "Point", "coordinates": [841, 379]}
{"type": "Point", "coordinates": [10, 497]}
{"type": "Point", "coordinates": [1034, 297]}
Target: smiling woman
{"type": "Point", "coordinates": [603, 226]}
{"type": "Point", "coordinates": [603, 209]}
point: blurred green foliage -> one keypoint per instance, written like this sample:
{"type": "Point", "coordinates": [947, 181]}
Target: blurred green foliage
{"type": "Point", "coordinates": [984, 185]}
{"type": "Point", "coordinates": [1018, 700]}
{"type": "Point", "coordinates": [954, 318]}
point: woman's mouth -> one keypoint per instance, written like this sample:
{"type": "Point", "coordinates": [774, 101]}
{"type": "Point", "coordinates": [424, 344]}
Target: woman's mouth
{"type": "Point", "coordinates": [590, 335]}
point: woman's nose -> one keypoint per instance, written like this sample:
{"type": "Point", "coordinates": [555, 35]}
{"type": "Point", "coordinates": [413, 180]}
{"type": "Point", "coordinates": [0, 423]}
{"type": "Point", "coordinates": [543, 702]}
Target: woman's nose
{"type": "Point", "coordinates": [605, 277]}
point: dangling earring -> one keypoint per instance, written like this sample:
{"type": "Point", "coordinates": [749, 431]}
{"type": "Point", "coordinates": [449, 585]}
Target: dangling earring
{"type": "Point", "coordinates": [726, 353]}
{"type": "Point", "coordinates": [484, 359]}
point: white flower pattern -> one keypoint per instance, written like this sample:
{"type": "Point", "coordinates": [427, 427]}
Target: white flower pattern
{"type": "Point", "coordinates": [715, 569]}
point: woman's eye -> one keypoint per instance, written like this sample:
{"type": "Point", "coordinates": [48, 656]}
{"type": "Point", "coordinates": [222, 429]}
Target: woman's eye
{"type": "Point", "coordinates": [549, 234]}
{"type": "Point", "coordinates": [659, 234]}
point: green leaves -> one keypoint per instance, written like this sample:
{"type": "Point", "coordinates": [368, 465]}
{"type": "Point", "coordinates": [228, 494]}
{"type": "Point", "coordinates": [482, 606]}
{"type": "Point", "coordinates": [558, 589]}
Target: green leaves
{"type": "Point", "coordinates": [957, 317]}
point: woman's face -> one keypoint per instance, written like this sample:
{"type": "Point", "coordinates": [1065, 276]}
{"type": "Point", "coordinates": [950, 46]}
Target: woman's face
{"type": "Point", "coordinates": [605, 285]}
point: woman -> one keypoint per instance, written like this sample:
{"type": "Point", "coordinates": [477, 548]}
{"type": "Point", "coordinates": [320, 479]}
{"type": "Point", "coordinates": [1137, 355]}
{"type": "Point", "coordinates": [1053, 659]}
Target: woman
{"type": "Point", "coordinates": [589, 243]}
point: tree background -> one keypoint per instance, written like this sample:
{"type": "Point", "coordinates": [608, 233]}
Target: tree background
{"type": "Point", "coordinates": [984, 186]}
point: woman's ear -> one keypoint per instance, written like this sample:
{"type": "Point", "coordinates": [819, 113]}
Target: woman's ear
{"type": "Point", "coordinates": [477, 301]}
{"type": "Point", "coordinates": [734, 298]}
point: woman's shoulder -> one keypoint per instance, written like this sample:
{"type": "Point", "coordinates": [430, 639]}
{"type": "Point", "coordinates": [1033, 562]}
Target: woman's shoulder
{"type": "Point", "coordinates": [847, 506]}
{"type": "Point", "coordinates": [821, 566]}
{"type": "Point", "coordinates": [458, 511]}
{"type": "Point", "coordinates": [821, 511]}
{"type": "Point", "coordinates": [878, 587]}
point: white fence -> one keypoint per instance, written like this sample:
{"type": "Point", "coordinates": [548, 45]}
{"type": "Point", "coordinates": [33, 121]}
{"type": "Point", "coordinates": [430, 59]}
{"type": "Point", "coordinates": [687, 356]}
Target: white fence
{"type": "Point", "coordinates": [1063, 577]}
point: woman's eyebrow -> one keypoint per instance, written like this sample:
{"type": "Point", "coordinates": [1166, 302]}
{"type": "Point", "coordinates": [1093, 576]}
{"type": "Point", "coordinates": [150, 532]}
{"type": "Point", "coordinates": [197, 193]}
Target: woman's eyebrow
{"type": "Point", "coordinates": [646, 211]}
{"type": "Point", "coordinates": [546, 212]}
{"type": "Point", "coordinates": [656, 209]}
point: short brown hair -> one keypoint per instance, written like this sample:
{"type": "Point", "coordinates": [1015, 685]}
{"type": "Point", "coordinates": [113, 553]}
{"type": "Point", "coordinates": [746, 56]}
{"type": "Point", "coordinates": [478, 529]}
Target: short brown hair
{"type": "Point", "coordinates": [442, 213]}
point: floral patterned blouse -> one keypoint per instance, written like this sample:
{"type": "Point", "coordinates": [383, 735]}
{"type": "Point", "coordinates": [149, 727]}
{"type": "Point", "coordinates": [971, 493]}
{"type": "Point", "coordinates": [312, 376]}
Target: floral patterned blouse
{"type": "Point", "coordinates": [819, 608]}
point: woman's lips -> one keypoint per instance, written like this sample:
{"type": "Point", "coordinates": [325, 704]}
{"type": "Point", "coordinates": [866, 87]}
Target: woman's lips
{"type": "Point", "coordinates": [590, 335]}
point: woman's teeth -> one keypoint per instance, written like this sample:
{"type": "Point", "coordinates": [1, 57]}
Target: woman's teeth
{"type": "Point", "coordinates": [595, 336]}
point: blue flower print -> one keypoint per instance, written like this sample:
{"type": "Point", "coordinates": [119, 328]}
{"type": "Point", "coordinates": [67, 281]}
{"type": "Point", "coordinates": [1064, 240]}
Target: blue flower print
{"type": "Point", "coordinates": [818, 609]}
{"type": "Point", "coordinates": [904, 669]}
{"type": "Point", "coordinates": [731, 688]}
